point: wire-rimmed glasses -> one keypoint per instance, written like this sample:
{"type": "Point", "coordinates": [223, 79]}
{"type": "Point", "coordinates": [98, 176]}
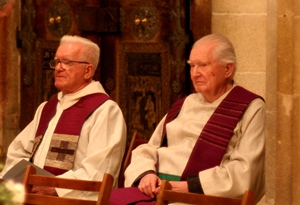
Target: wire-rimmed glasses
{"type": "Point", "coordinates": [65, 63]}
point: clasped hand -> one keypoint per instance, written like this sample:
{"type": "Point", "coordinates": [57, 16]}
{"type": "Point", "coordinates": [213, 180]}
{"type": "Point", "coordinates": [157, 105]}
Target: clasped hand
{"type": "Point", "coordinates": [150, 185]}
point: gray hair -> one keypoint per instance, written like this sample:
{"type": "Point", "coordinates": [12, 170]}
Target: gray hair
{"type": "Point", "coordinates": [223, 52]}
{"type": "Point", "coordinates": [90, 50]}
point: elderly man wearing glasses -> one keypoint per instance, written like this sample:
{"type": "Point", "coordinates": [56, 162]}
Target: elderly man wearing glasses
{"type": "Point", "coordinates": [80, 133]}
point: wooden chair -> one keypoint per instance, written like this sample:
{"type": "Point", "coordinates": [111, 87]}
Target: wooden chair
{"type": "Point", "coordinates": [166, 196]}
{"type": "Point", "coordinates": [104, 188]}
{"type": "Point", "coordinates": [136, 140]}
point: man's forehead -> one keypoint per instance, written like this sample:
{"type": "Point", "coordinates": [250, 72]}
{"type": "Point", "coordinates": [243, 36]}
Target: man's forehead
{"type": "Point", "coordinates": [68, 49]}
{"type": "Point", "coordinates": [202, 51]}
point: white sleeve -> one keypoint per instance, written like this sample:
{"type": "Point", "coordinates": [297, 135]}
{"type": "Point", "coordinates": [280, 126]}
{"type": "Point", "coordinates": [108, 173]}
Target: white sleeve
{"type": "Point", "coordinates": [144, 157]}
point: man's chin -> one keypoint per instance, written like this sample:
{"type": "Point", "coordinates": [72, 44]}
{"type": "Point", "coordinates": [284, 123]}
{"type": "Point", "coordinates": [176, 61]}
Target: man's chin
{"type": "Point", "coordinates": [199, 88]}
{"type": "Point", "coordinates": [58, 85]}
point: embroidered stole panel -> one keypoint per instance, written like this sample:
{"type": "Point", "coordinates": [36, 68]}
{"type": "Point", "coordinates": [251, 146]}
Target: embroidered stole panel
{"type": "Point", "coordinates": [61, 154]}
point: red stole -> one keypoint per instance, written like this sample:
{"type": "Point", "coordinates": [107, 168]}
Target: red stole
{"type": "Point", "coordinates": [216, 134]}
{"type": "Point", "coordinates": [69, 124]}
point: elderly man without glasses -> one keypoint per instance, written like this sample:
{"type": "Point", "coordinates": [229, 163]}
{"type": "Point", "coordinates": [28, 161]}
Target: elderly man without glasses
{"type": "Point", "coordinates": [211, 142]}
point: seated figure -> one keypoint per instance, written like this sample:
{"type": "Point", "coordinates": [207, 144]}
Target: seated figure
{"type": "Point", "coordinates": [80, 133]}
{"type": "Point", "coordinates": [211, 142]}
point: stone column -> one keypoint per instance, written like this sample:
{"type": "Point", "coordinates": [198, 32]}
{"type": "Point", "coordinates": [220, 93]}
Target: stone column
{"type": "Point", "coordinates": [295, 111]}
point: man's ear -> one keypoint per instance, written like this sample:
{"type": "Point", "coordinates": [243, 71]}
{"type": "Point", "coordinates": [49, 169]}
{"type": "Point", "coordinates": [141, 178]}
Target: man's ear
{"type": "Point", "coordinates": [230, 67]}
{"type": "Point", "coordinates": [89, 71]}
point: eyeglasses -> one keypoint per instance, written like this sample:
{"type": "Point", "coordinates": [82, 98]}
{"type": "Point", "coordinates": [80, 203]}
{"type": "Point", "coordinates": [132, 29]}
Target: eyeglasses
{"type": "Point", "coordinates": [65, 63]}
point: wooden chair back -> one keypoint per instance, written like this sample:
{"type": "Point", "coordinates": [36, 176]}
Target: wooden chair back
{"type": "Point", "coordinates": [103, 188]}
{"type": "Point", "coordinates": [136, 140]}
{"type": "Point", "coordinates": [167, 196]}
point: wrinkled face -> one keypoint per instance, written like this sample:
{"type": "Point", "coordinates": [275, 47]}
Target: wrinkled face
{"type": "Point", "coordinates": [207, 75]}
{"type": "Point", "coordinates": [70, 78]}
